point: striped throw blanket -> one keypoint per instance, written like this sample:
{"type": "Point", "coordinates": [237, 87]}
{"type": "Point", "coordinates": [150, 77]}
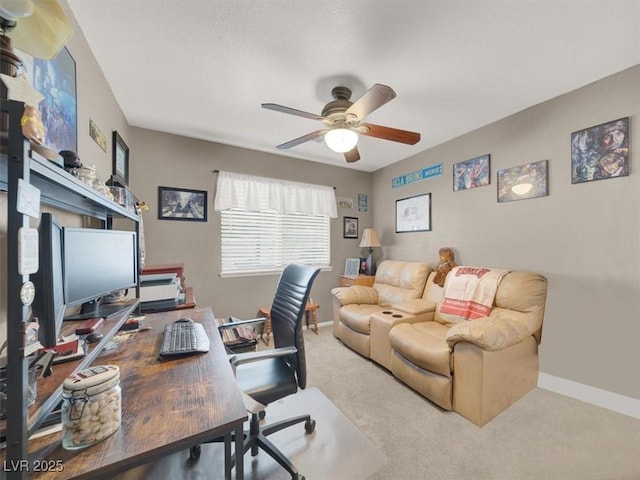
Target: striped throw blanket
{"type": "Point", "coordinates": [469, 293]}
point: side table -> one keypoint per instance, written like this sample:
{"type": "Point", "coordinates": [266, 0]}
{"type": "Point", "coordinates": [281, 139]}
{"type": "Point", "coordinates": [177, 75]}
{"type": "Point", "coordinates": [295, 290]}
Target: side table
{"type": "Point", "coordinates": [309, 311]}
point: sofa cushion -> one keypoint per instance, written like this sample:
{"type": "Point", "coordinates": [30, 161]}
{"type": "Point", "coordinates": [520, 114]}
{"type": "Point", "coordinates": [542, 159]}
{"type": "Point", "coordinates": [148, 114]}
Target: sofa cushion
{"type": "Point", "coordinates": [356, 294]}
{"type": "Point", "coordinates": [357, 317]}
{"type": "Point", "coordinates": [398, 281]}
{"type": "Point", "coordinates": [423, 344]}
{"type": "Point", "coordinates": [415, 306]}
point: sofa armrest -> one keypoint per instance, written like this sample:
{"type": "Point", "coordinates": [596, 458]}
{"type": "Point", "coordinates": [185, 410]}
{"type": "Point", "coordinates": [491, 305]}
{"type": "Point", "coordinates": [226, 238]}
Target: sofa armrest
{"type": "Point", "coordinates": [416, 306]}
{"type": "Point", "coordinates": [358, 294]}
{"type": "Point", "coordinates": [499, 330]}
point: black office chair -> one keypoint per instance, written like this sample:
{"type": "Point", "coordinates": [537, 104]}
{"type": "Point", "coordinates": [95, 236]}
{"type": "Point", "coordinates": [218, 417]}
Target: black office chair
{"type": "Point", "coordinates": [269, 375]}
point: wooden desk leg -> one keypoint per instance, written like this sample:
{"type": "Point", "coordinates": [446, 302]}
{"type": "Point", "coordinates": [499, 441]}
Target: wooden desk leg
{"type": "Point", "coordinates": [306, 318]}
{"type": "Point", "coordinates": [239, 434]}
{"type": "Point", "coordinates": [227, 456]}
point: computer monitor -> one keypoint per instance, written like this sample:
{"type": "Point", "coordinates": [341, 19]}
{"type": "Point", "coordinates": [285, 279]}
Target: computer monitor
{"type": "Point", "coordinates": [48, 305]}
{"type": "Point", "coordinates": [97, 262]}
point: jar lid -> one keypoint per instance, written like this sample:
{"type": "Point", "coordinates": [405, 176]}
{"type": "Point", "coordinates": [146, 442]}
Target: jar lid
{"type": "Point", "coordinates": [92, 380]}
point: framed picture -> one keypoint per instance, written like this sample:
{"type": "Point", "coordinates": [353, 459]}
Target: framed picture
{"type": "Point", "coordinates": [352, 267]}
{"type": "Point", "coordinates": [600, 152]}
{"type": "Point", "coordinates": [363, 265]}
{"type": "Point", "coordinates": [120, 161]}
{"type": "Point", "coordinates": [413, 214]}
{"type": "Point", "coordinates": [471, 173]}
{"type": "Point", "coordinates": [55, 79]}
{"type": "Point", "coordinates": [182, 204]}
{"type": "Point", "coordinates": [524, 181]}
{"type": "Point", "coordinates": [350, 227]}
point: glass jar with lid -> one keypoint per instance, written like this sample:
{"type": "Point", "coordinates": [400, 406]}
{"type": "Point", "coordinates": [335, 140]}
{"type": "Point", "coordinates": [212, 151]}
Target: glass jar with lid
{"type": "Point", "coordinates": [91, 406]}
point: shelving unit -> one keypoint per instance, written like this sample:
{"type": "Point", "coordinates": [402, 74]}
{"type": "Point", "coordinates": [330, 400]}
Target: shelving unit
{"type": "Point", "coordinates": [61, 190]}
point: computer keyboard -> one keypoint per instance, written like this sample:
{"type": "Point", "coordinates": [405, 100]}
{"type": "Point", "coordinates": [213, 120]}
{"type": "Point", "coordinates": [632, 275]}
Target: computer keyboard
{"type": "Point", "coordinates": [184, 337]}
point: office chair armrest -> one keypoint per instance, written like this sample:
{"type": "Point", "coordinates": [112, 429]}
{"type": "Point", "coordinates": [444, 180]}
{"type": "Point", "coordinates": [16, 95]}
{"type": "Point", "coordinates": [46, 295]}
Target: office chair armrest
{"type": "Point", "coordinates": [238, 323]}
{"type": "Point", "coordinates": [241, 358]}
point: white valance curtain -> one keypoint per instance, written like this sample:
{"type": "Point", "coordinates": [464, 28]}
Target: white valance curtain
{"type": "Point", "coordinates": [253, 193]}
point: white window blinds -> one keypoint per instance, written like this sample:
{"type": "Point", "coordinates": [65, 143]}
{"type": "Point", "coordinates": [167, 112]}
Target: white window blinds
{"type": "Point", "coordinates": [263, 228]}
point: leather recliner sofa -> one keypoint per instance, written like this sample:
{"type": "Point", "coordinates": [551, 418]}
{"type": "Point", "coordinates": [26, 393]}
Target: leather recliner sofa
{"type": "Point", "coordinates": [478, 367]}
{"type": "Point", "coordinates": [353, 307]}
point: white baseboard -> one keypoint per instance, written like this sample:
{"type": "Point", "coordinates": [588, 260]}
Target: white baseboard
{"type": "Point", "coordinates": [596, 396]}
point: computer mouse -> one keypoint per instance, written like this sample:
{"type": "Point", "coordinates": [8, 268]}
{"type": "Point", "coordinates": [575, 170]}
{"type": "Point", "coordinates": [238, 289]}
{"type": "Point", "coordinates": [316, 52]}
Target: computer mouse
{"type": "Point", "coordinates": [184, 320]}
{"type": "Point", "coordinates": [93, 337]}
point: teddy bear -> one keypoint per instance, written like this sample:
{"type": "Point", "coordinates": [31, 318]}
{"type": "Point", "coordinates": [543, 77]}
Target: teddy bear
{"type": "Point", "coordinates": [446, 264]}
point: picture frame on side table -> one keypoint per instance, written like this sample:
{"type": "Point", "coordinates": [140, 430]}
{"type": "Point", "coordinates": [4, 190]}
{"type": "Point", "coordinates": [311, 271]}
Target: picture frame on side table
{"type": "Point", "coordinates": [120, 156]}
{"type": "Point", "coordinates": [413, 214]}
{"type": "Point", "coordinates": [182, 204]}
{"type": "Point", "coordinates": [352, 268]}
{"type": "Point", "coordinates": [350, 227]}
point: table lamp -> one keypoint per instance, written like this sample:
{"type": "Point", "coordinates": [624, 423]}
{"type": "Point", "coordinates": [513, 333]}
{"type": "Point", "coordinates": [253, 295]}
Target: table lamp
{"type": "Point", "coordinates": [370, 240]}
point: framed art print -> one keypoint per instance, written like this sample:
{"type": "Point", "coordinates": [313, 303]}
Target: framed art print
{"type": "Point", "coordinates": [413, 214]}
{"type": "Point", "coordinates": [522, 182]}
{"type": "Point", "coordinates": [352, 267]}
{"type": "Point", "coordinates": [350, 227]}
{"type": "Point", "coordinates": [55, 79]}
{"type": "Point", "coordinates": [182, 204]}
{"type": "Point", "coordinates": [120, 160]}
{"type": "Point", "coordinates": [600, 152]}
{"type": "Point", "coordinates": [471, 173]}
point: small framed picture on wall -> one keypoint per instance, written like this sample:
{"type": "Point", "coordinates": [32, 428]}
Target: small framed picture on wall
{"type": "Point", "coordinates": [350, 227]}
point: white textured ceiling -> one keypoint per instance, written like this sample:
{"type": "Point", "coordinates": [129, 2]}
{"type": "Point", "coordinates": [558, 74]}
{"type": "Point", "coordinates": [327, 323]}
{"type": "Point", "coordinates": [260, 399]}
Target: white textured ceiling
{"type": "Point", "coordinates": [202, 68]}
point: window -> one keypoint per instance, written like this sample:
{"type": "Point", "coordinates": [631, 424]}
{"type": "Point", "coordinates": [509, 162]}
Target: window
{"type": "Point", "coordinates": [264, 242]}
{"type": "Point", "coordinates": [266, 223]}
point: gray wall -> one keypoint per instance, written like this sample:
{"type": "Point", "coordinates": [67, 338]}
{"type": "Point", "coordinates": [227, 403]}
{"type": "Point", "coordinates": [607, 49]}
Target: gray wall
{"type": "Point", "coordinates": [160, 159]}
{"type": "Point", "coordinates": [583, 237]}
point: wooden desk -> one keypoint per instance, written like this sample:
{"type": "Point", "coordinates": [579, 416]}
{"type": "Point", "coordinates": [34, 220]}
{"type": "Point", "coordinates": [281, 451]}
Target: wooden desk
{"type": "Point", "coordinates": [311, 308]}
{"type": "Point", "coordinates": [168, 405]}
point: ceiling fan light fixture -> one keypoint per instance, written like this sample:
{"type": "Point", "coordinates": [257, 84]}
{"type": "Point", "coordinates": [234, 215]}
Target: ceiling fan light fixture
{"type": "Point", "coordinates": [341, 140]}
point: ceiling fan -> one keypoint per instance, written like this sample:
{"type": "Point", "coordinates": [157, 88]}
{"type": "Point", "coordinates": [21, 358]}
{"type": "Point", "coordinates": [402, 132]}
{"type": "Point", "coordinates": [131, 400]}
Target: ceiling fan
{"type": "Point", "coordinates": [344, 120]}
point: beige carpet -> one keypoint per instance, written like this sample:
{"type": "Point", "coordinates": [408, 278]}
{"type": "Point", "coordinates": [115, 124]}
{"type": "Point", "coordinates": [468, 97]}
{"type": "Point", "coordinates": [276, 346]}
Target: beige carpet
{"type": "Point", "coordinates": [337, 450]}
{"type": "Point", "coordinates": [543, 436]}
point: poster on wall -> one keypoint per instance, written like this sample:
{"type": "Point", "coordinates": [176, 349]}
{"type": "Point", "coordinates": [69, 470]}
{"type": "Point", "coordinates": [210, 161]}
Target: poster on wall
{"type": "Point", "coordinates": [522, 182]}
{"type": "Point", "coordinates": [600, 152]}
{"type": "Point", "coordinates": [413, 214]}
{"type": "Point", "coordinates": [471, 173]}
{"type": "Point", "coordinates": [56, 80]}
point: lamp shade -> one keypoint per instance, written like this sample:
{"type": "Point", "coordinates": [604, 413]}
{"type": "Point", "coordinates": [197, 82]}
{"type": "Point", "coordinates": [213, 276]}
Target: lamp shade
{"type": "Point", "coordinates": [369, 238]}
{"type": "Point", "coordinates": [341, 140]}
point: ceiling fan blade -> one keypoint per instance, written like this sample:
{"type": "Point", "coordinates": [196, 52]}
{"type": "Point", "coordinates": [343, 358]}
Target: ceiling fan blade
{"type": "Point", "coordinates": [299, 140]}
{"type": "Point", "coordinates": [388, 133]}
{"type": "Point", "coordinates": [371, 100]}
{"type": "Point", "coordinates": [352, 155]}
{"type": "Point", "coordinates": [291, 111]}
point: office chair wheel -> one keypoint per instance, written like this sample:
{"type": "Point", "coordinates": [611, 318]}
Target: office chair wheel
{"type": "Point", "coordinates": [309, 426]}
{"type": "Point", "coordinates": [194, 452]}
{"type": "Point", "coordinates": [262, 414]}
